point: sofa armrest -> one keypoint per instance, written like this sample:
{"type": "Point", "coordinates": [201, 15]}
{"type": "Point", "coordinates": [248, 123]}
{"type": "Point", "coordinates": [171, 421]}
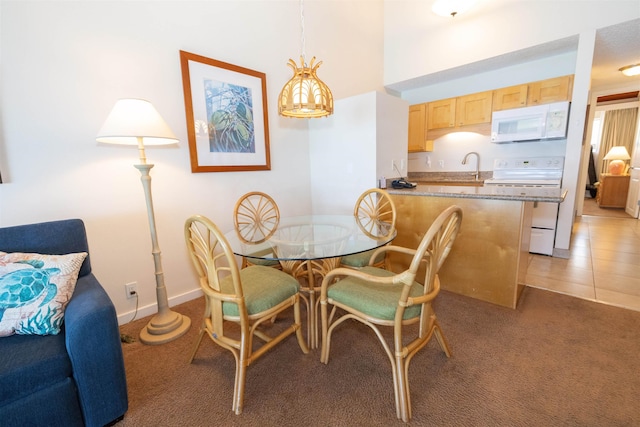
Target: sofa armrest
{"type": "Point", "coordinates": [93, 344]}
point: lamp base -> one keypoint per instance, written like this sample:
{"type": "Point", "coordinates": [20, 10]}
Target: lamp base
{"type": "Point", "coordinates": [165, 327]}
{"type": "Point", "coordinates": [616, 167]}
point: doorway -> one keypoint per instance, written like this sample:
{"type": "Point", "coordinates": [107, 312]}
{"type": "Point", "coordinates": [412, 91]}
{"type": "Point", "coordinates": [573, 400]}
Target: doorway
{"type": "Point", "coordinates": [606, 104]}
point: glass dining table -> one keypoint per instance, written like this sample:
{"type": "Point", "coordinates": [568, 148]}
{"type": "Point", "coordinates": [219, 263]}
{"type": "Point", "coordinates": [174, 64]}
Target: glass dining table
{"type": "Point", "coordinates": [308, 247]}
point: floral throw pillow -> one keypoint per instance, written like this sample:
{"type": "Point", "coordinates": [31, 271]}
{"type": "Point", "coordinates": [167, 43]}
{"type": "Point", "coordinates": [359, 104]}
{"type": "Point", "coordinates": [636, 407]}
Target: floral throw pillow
{"type": "Point", "coordinates": [34, 291]}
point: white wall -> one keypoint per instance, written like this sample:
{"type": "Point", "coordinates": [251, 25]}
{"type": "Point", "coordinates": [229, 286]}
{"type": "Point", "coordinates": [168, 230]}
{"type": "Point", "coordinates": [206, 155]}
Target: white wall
{"type": "Point", "coordinates": [351, 151]}
{"type": "Point", "coordinates": [490, 31]}
{"type": "Point", "coordinates": [419, 43]}
{"type": "Point", "coordinates": [343, 155]}
{"type": "Point", "coordinates": [63, 66]}
{"type": "Point", "coordinates": [392, 119]}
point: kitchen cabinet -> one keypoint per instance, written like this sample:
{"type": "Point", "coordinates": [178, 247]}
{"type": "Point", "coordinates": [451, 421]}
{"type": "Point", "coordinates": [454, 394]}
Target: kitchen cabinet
{"type": "Point", "coordinates": [489, 257]}
{"type": "Point", "coordinates": [472, 113]}
{"type": "Point", "coordinates": [474, 109]}
{"type": "Point", "coordinates": [441, 114]}
{"type": "Point", "coordinates": [510, 97]}
{"type": "Point", "coordinates": [550, 90]}
{"type": "Point", "coordinates": [612, 191]}
{"type": "Point", "coordinates": [461, 111]}
{"type": "Point", "coordinates": [418, 129]}
{"type": "Point", "coordinates": [535, 93]}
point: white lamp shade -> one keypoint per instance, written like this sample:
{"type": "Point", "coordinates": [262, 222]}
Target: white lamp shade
{"type": "Point", "coordinates": [617, 156]}
{"type": "Point", "coordinates": [131, 119]}
{"type": "Point", "coordinates": [617, 153]}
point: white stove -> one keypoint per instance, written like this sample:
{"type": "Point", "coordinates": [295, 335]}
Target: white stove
{"type": "Point", "coordinates": [528, 172]}
{"type": "Point", "coordinates": [524, 182]}
{"type": "Point", "coordinates": [533, 172]}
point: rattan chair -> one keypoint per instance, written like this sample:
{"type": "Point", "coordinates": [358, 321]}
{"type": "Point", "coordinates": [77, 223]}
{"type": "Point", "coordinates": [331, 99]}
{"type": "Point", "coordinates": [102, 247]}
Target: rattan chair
{"type": "Point", "coordinates": [378, 297]}
{"type": "Point", "coordinates": [256, 217]}
{"type": "Point", "coordinates": [248, 297]}
{"type": "Point", "coordinates": [375, 213]}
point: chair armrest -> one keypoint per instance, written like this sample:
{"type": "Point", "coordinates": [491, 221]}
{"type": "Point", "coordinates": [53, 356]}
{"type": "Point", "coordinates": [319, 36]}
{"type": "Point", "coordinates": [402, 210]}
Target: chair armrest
{"type": "Point", "coordinates": [332, 275]}
{"type": "Point", "coordinates": [390, 248]}
{"type": "Point", "coordinates": [428, 297]}
{"type": "Point", "coordinates": [93, 345]}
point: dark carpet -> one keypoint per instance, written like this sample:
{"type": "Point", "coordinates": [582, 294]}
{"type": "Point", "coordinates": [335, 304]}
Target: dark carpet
{"type": "Point", "coordinates": [554, 361]}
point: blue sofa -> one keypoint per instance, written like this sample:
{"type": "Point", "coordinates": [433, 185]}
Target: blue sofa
{"type": "Point", "coordinates": [75, 378]}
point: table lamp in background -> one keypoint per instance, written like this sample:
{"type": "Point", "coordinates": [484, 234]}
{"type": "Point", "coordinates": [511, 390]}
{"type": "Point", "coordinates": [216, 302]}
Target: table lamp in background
{"type": "Point", "coordinates": [617, 156]}
{"type": "Point", "coordinates": [136, 122]}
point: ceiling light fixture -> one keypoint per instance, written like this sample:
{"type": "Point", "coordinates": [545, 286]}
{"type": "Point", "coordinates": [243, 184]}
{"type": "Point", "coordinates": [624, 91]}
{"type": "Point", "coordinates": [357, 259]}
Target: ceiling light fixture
{"type": "Point", "coordinates": [305, 95]}
{"type": "Point", "coordinates": [448, 8]}
{"type": "Point", "coordinates": [630, 70]}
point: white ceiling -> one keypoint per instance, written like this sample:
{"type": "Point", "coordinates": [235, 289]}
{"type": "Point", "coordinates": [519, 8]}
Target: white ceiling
{"type": "Point", "coordinates": [616, 46]}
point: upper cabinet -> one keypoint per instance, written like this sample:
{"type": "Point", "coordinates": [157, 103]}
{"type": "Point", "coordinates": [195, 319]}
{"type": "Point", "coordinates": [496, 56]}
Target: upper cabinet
{"type": "Point", "coordinates": [431, 120]}
{"type": "Point", "coordinates": [418, 129]}
{"type": "Point", "coordinates": [461, 111]}
{"type": "Point", "coordinates": [536, 93]}
{"type": "Point", "coordinates": [474, 109]}
{"type": "Point", "coordinates": [550, 90]}
{"type": "Point", "coordinates": [510, 97]}
{"type": "Point", "coordinates": [441, 114]}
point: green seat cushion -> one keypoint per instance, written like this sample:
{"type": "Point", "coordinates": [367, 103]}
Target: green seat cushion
{"type": "Point", "coordinates": [373, 299]}
{"type": "Point", "coordinates": [264, 288]}
{"type": "Point", "coordinates": [361, 259]}
{"type": "Point", "coordinates": [265, 262]}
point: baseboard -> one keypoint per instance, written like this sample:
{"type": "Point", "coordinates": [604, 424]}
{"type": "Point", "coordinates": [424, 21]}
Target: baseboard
{"type": "Point", "coordinates": [561, 253]}
{"type": "Point", "coordinates": [150, 309]}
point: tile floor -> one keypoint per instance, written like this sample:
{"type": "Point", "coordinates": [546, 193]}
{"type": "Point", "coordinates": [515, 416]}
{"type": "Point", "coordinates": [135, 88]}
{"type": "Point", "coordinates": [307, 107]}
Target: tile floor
{"type": "Point", "coordinates": [604, 265]}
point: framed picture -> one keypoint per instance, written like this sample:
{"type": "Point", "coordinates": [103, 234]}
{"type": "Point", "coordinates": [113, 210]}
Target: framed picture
{"type": "Point", "coordinates": [227, 121]}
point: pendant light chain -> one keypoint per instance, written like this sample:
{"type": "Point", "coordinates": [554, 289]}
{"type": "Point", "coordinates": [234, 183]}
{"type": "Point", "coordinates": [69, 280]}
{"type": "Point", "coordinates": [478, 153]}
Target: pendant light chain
{"type": "Point", "coordinates": [302, 39]}
{"type": "Point", "coordinates": [305, 95]}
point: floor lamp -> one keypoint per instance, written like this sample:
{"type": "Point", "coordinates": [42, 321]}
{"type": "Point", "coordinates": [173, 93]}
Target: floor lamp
{"type": "Point", "coordinates": [136, 122]}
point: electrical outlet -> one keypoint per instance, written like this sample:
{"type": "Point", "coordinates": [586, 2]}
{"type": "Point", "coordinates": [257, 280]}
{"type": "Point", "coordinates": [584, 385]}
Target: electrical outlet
{"type": "Point", "coordinates": [441, 163]}
{"type": "Point", "coordinates": [131, 289]}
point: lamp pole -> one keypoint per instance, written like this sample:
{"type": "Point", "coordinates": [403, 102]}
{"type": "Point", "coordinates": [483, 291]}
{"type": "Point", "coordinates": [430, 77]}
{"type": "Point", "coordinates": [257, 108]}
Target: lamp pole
{"type": "Point", "coordinates": [166, 325]}
{"type": "Point", "coordinates": [134, 122]}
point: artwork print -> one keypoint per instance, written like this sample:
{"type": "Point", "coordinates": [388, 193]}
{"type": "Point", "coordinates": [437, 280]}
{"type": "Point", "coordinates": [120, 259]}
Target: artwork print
{"type": "Point", "coordinates": [230, 113]}
{"type": "Point", "coordinates": [226, 111]}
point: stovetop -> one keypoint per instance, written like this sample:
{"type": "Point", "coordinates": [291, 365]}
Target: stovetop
{"type": "Point", "coordinates": [527, 171]}
{"type": "Point", "coordinates": [524, 182]}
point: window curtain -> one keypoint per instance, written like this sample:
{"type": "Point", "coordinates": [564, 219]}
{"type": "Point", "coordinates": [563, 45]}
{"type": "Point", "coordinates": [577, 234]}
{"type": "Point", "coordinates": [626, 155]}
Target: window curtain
{"type": "Point", "coordinates": [619, 128]}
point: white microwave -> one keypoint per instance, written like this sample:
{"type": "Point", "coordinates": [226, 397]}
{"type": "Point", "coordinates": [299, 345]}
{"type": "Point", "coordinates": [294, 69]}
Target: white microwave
{"type": "Point", "coordinates": [537, 123]}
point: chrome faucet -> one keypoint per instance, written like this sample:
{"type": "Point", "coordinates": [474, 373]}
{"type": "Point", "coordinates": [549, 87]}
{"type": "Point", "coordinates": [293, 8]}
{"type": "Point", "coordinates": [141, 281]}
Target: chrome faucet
{"type": "Point", "coordinates": [464, 162]}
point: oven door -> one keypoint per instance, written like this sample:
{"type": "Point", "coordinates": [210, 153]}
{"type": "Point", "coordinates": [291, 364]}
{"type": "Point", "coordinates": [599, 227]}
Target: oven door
{"type": "Point", "coordinates": [543, 228]}
{"type": "Point", "coordinates": [542, 241]}
{"type": "Point", "coordinates": [545, 215]}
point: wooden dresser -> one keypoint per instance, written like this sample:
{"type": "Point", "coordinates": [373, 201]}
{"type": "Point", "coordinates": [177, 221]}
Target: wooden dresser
{"type": "Point", "coordinates": [612, 191]}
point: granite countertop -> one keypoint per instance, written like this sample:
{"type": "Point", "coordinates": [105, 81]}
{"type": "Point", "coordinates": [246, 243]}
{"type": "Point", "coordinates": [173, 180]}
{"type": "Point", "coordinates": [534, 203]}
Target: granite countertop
{"type": "Point", "coordinates": [453, 177]}
{"type": "Point", "coordinates": [491, 192]}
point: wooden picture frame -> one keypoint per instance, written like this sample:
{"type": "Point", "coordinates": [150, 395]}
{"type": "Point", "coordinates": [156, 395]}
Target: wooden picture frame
{"type": "Point", "coordinates": [227, 120]}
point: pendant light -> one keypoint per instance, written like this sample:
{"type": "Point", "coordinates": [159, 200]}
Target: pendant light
{"type": "Point", "coordinates": [305, 95]}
